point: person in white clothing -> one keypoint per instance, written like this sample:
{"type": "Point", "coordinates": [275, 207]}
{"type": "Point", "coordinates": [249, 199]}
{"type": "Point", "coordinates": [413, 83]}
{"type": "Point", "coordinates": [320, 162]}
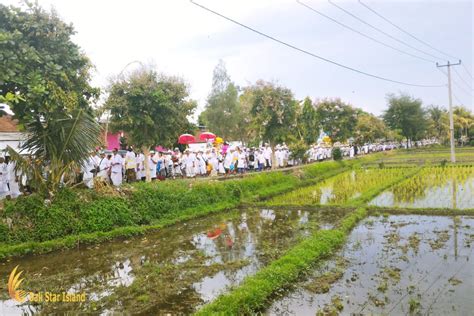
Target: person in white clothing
{"type": "Point", "coordinates": [242, 160]}
{"type": "Point", "coordinates": [104, 167]}
{"type": "Point", "coordinates": [116, 168]}
{"type": "Point", "coordinates": [152, 163]}
{"type": "Point", "coordinates": [12, 178]}
{"type": "Point", "coordinates": [3, 178]}
{"type": "Point", "coordinates": [89, 169]}
{"type": "Point", "coordinates": [267, 153]}
{"type": "Point", "coordinates": [140, 161]}
{"type": "Point", "coordinates": [189, 163]}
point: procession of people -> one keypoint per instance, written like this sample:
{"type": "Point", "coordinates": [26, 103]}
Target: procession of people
{"type": "Point", "coordinates": [118, 166]}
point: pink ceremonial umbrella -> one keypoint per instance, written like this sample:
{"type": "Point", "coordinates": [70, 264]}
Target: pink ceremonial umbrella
{"type": "Point", "coordinates": [207, 135]}
{"type": "Point", "coordinates": [186, 139]}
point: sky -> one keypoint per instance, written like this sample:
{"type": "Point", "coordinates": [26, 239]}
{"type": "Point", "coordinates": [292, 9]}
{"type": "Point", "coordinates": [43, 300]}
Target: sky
{"type": "Point", "coordinates": [179, 38]}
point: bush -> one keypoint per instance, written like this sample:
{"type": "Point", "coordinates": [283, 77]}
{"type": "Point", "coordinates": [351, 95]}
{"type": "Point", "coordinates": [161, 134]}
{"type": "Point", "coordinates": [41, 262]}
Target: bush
{"type": "Point", "coordinates": [337, 154]}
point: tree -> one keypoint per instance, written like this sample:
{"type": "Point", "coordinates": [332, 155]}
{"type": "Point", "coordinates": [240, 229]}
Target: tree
{"type": "Point", "coordinates": [337, 118]}
{"type": "Point", "coordinates": [45, 81]}
{"type": "Point", "coordinates": [406, 114]}
{"type": "Point", "coordinates": [150, 108]}
{"type": "Point", "coordinates": [223, 114]}
{"type": "Point", "coordinates": [57, 148]}
{"type": "Point", "coordinates": [463, 121]}
{"type": "Point", "coordinates": [438, 122]}
{"type": "Point", "coordinates": [40, 65]}
{"type": "Point", "coordinates": [308, 122]}
{"type": "Point", "coordinates": [369, 128]}
{"type": "Point", "coordinates": [272, 111]}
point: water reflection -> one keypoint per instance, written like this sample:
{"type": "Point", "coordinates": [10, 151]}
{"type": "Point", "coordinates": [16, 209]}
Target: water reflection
{"type": "Point", "coordinates": [176, 269]}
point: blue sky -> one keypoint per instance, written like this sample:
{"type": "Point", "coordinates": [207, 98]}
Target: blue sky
{"type": "Point", "coordinates": [179, 38]}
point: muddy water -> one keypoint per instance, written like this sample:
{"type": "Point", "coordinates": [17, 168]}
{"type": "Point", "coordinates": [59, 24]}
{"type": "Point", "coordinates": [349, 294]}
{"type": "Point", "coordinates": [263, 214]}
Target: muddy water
{"type": "Point", "coordinates": [174, 270]}
{"type": "Point", "coordinates": [429, 191]}
{"type": "Point", "coordinates": [399, 265]}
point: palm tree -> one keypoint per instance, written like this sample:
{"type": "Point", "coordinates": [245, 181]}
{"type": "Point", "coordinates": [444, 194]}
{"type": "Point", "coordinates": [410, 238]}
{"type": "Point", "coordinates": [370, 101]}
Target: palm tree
{"type": "Point", "coordinates": [55, 148]}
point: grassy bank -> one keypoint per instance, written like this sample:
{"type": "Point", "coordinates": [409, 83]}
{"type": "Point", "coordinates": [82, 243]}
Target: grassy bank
{"type": "Point", "coordinates": [75, 217]}
{"type": "Point", "coordinates": [255, 292]}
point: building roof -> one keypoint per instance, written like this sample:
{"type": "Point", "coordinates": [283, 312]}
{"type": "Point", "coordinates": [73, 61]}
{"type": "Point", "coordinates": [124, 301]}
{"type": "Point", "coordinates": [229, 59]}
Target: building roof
{"type": "Point", "coordinates": [7, 124]}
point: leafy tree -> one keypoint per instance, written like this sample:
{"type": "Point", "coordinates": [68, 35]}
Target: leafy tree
{"type": "Point", "coordinates": [369, 128]}
{"type": "Point", "coordinates": [308, 122]}
{"type": "Point", "coordinates": [272, 111]}
{"type": "Point", "coordinates": [438, 122]}
{"type": "Point", "coordinates": [463, 121]}
{"type": "Point", "coordinates": [45, 81]}
{"type": "Point", "coordinates": [406, 114]}
{"type": "Point", "coordinates": [151, 108]}
{"type": "Point", "coordinates": [223, 114]}
{"type": "Point", "coordinates": [40, 65]}
{"type": "Point", "coordinates": [337, 118]}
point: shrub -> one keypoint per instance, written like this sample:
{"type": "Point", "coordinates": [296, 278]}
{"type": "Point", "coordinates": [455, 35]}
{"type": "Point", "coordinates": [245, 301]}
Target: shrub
{"type": "Point", "coordinates": [336, 154]}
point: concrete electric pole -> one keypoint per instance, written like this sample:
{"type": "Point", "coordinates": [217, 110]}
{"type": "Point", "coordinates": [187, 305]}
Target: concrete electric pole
{"type": "Point", "coordinates": [451, 121]}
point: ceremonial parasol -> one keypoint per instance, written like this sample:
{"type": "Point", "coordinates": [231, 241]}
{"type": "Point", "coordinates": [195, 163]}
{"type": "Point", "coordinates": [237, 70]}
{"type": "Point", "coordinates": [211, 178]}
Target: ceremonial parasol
{"type": "Point", "coordinates": [186, 139]}
{"type": "Point", "coordinates": [207, 136]}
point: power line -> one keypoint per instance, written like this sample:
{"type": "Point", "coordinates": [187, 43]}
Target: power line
{"type": "Point", "coordinates": [310, 53]}
{"type": "Point", "coordinates": [465, 68]}
{"type": "Point", "coordinates": [360, 33]}
{"type": "Point", "coordinates": [455, 96]}
{"type": "Point", "coordinates": [381, 31]}
{"type": "Point", "coordinates": [462, 79]}
{"type": "Point", "coordinates": [404, 31]}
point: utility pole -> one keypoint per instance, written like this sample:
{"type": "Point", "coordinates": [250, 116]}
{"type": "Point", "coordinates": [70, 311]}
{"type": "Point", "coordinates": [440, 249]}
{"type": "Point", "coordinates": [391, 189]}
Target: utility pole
{"type": "Point", "coordinates": [451, 121]}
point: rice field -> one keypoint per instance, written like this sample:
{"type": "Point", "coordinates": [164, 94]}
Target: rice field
{"type": "Point", "coordinates": [342, 188]}
{"type": "Point", "coordinates": [433, 187]}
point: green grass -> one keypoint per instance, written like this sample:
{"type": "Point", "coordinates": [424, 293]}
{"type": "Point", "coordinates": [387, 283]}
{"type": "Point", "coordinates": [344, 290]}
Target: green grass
{"type": "Point", "coordinates": [79, 216]}
{"type": "Point", "coordinates": [254, 293]}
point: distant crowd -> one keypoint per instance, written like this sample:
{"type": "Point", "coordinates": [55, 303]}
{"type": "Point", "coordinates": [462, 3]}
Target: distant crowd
{"type": "Point", "coordinates": [119, 166]}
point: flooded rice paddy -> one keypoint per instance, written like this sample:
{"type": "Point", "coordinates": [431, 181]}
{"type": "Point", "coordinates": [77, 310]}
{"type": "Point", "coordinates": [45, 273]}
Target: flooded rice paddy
{"type": "Point", "coordinates": [433, 187]}
{"type": "Point", "coordinates": [341, 188]}
{"type": "Point", "coordinates": [174, 270]}
{"type": "Point", "coordinates": [393, 265]}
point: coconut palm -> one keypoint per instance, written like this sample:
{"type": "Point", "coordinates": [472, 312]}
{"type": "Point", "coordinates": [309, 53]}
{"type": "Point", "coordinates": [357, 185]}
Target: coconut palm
{"type": "Point", "coordinates": [56, 145]}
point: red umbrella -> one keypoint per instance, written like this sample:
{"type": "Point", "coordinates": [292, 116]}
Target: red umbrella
{"type": "Point", "coordinates": [186, 139]}
{"type": "Point", "coordinates": [207, 135]}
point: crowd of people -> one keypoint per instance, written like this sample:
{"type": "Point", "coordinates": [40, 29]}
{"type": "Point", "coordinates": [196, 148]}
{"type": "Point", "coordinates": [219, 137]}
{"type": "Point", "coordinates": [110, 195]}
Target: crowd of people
{"type": "Point", "coordinates": [130, 166]}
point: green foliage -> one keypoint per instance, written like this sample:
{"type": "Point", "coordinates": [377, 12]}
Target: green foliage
{"type": "Point", "coordinates": [369, 128]}
{"type": "Point", "coordinates": [337, 118]}
{"type": "Point", "coordinates": [406, 114]}
{"type": "Point", "coordinates": [336, 154]}
{"type": "Point", "coordinates": [43, 71]}
{"type": "Point", "coordinates": [77, 212]}
{"type": "Point", "coordinates": [308, 122]}
{"type": "Point", "coordinates": [438, 122]}
{"type": "Point", "coordinates": [45, 81]}
{"type": "Point", "coordinates": [151, 108]}
{"type": "Point", "coordinates": [298, 150]}
{"type": "Point", "coordinates": [272, 110]}
{"type": "Point", "coordinates": [255, 291]}
{"type": "Point", "coordinates": [224, 115]}
{"type": "Point", "coordinates": [59, 148]}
